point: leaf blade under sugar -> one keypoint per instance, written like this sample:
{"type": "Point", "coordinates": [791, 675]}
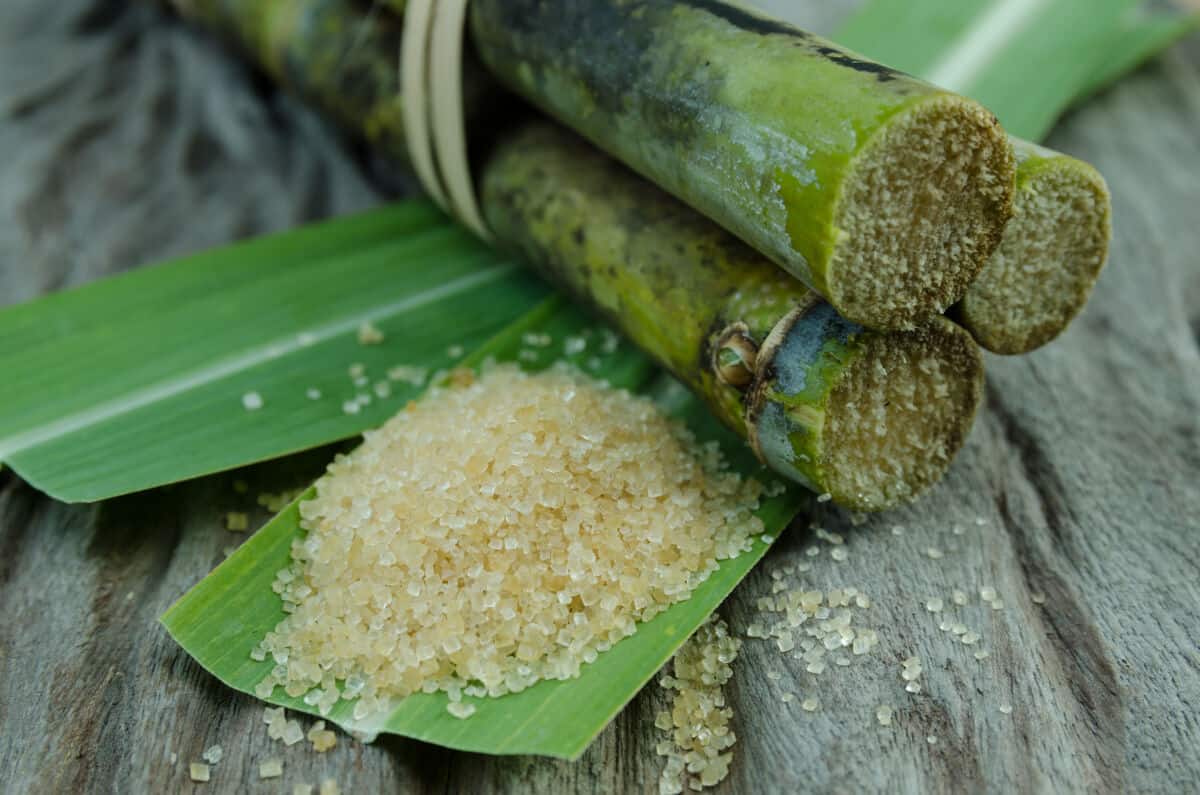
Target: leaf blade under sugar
{"type": "Point", "coordinates": [1026, 60]}
{"type": "Point", "coordinates": [552, 718]}
{"type": "Point", "coordinates": [137, 381]}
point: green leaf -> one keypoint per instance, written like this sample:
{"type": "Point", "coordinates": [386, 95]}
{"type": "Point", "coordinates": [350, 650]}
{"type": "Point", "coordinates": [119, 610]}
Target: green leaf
{"type": "Point", "coordinates": [1027, 60]}
{"type": "Point", "coordinates": [222, 619]}
{"type": "Point", "coordinates": [136, 381]}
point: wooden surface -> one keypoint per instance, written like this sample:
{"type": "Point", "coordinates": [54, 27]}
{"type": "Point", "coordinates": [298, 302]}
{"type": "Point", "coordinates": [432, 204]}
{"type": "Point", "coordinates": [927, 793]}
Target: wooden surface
{"type": "Point", "coordinates": [126, 138]}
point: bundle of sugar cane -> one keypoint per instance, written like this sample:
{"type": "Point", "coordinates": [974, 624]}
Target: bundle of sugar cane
{"type": "Point", "coordinates": [881, 192]}
{"type": "Point", "coordinates": [1036, 281]}
{"type": "Point", "coordinates": [884, 194]}
{"type": "Point", "coordinates": [869, 418]}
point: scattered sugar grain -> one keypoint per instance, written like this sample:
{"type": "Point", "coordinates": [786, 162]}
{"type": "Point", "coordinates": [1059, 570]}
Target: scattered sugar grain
{"type": "Point", "coordinates": [198, 771]}
{"type": "Point", "coordinates": [271, 768]}
{"type": "Point", "coordinates": [408, 374]}
{"type": "Point", "coordinates": [322, 739]}
{"type": "Point", "coordinates": [835, 539]}
{"type": "Point", "coordinates": [292, 733]}
{"type": "Point", "coordinates": [959, 597]}
{"type": "Point", "coordinates": [987, 594]}
{"type": "Point", "coordinates": [252, 401]}
{"type": "Point", "coordinates": [537, 340]}
{"type": "Point", "coordinates": [934, 605]}
{"type": "Point", "coordinates": [931, 739]}
{"type": "Point", "coordinates": [839, 554]}
{"type": "Point", "coordinates": [982, 654]}
{"type": "Point", "coordinates": [312, 393]}
{"type": "Point", "coordinates": [787, 698]}
{"type": "Point", "coordinates": [213, 754]}
{"type": "Point", "coordinates": [934, 553]}
{"type": "Point", "coordinates": [609, 341]}
{"type": "Point", "coordinates": [460, 709]}
{"type": "Point", "coordinates": [1038, 599]}
{"type": "Point", "coordinates": [826, 497]}
{"type": "Point", "coordinates": [1006, 709]}
{"type": "Point", "coordinates": [884, 715]}
{"type": "Point", "coordinates": [810, 704]}
{"type": "Point", "coordinates": [369, 334]}
{"type": "Point", "coordinates": [277, 502]}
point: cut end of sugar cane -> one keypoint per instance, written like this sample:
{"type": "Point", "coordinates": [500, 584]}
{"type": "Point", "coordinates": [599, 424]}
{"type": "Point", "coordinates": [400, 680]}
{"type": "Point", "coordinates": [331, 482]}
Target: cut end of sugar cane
{"type": "Point", "coordinates": [1051, 254]}
{"type": "Point", "coordinates": [923, 208]}
{"type": "Point", "coordinates": [895, 407]}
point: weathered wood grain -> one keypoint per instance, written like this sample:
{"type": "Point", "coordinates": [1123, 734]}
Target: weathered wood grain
{"type": "Point", "coordinates": [127, 138]}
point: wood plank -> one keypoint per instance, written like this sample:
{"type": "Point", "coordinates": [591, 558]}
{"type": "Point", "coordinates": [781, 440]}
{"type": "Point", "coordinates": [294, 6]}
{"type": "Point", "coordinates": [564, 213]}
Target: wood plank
{"type": "Point", "coordinates": [139, 140]}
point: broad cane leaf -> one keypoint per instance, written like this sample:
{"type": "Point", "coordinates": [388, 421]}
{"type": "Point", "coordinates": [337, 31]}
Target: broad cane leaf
{"type": "Point", "coordinates": [1027, 60]}
{"type": "Point", "coordinates": [221, 620]}
{"type": "Point", "coordinates": [138, 380]}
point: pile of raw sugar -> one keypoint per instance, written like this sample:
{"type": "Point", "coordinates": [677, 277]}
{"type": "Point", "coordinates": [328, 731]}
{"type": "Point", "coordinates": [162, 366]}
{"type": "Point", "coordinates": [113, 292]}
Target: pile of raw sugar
{"type": "Point", "coordinates": [500, 532]}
